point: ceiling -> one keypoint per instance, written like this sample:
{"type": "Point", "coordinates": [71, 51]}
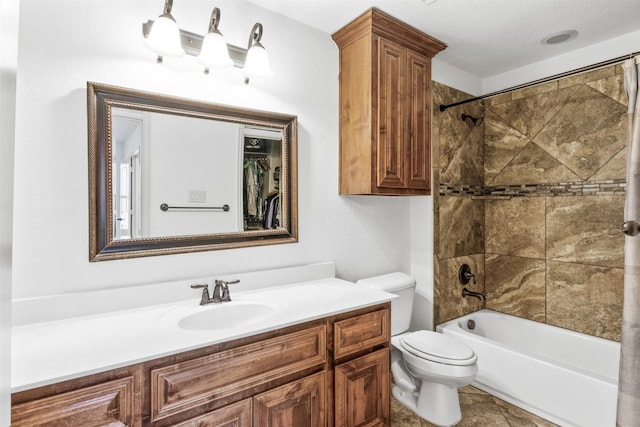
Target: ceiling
{"type": "Point", "coordinates": [484, 37]}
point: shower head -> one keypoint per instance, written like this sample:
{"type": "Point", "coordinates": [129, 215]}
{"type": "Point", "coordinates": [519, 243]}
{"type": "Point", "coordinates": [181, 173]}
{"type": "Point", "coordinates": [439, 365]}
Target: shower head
{"type": "Point", "coordinates": [477, 121]}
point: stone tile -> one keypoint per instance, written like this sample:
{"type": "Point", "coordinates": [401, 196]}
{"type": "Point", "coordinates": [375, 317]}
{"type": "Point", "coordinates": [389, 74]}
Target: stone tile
{"type": "Point", "coordinates": [448, 300]}
{"type": "Point", "coordinates": [499, 99]}
{"type": "Point", "coordinates": [616, 168]}
{"type": "Point", "coordinates": [533, 165]}
{"type": "Point", "coordinates": [460, 147]}
{"type": "Point", "coordinates": [586, 132]}
{"type": "Point", "coordinates": [585, 298]}
{"type": "Point", "coordinates": [588, 76]}
{"type": "Point", "coordinates": [535, 90]}
{"type": "Point", "coordinates": [516, 286]}
{"type": "Point", "coordinates": [613, 87]}
{"type": "Point", "coordinates": [461, 226]}
{"type": "Point", "coordinates": [518, 417]}
{"type": "Point", "coordinates": [402, 416]}
{"type": "Point", "coordinates": [515, 227]}
{"type": "Point", "coordinates": [501, 144]}
{"type": "Point", "coordinates": [529, 115]}
{"type": "Point", "coordinates": [585, 230]}
{"type": "Point", "coordinates": [480, 410]}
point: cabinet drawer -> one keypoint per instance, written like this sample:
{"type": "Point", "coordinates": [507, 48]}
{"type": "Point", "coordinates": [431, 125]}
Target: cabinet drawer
{"type": "Point", "coordinates": [236, 372]}
{"type": "Point", "coordinates": [360, 333]}
{"type": "Point", "coordinates": [110, 403]}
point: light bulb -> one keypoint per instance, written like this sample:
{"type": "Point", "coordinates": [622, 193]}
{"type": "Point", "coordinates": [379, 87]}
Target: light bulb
{"type": "Point", "coordinates": [257, 63]}
{"type": "Point", "coordinates": [164, 37]}
{"type": "Point", "coordinates": [214, 52]}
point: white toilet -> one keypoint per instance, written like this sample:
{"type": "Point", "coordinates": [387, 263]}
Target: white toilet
{"type": "Point", "coordinates": [427, 367]}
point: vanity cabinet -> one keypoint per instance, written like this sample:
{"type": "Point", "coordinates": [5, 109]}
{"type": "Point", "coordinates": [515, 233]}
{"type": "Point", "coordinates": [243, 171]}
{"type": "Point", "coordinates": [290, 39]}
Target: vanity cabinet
{"type": "Point", "coordinates": [385, 100]}
{"type": "Point", "coordinates": [326, 372]}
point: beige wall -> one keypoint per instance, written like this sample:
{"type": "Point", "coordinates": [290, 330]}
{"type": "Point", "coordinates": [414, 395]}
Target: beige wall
{"type": "Point", "coordinates": [532, 200]}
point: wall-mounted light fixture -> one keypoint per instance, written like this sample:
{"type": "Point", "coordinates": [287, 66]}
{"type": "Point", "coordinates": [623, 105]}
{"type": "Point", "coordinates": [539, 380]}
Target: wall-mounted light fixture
{"type": "Point", "coordinates": [165, 38]}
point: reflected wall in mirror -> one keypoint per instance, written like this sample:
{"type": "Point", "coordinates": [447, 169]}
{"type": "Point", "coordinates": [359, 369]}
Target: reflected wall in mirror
{"type": "Point", "coordinates": [170, 175]}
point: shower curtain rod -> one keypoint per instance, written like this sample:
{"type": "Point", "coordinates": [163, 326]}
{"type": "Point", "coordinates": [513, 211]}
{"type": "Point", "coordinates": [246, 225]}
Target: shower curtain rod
{"type": "Point", "coordinates": [443, 107]}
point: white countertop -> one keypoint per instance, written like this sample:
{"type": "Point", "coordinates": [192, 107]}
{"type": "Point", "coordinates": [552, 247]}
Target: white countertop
{"type": "Point", "coordinates": [53, 351]}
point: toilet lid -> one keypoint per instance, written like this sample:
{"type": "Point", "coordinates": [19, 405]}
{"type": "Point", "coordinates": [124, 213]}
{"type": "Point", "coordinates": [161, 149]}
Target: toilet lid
{"type": "Point", "coordinates": [438, 347]}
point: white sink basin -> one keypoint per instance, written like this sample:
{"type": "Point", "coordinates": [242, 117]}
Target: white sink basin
{"type": "Point", "coordinates": [224, 315]}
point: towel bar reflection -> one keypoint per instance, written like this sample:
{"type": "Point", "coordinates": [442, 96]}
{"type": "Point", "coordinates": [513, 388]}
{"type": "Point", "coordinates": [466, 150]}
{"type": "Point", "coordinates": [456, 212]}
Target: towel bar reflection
{"type": "Point", "coordinates": [165, 207]}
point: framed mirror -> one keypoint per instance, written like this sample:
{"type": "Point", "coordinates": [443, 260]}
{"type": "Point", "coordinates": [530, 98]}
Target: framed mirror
{"type": "Point", "coordinates": [171, 175]}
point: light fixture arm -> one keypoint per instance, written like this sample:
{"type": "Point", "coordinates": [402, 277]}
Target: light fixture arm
{"type": "Point", "coordinates": [168, 5]}
{"type": "Point", "coordinates": [215, 20]}
{"type": "Point", "coordinates": [255, 36]}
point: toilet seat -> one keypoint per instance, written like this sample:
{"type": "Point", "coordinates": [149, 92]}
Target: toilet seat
{"type": "Point", "coordinates": [439, 348]}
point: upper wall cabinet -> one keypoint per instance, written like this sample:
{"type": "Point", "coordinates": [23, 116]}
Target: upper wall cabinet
{"type": "Point", "coordinates": [385, 106]}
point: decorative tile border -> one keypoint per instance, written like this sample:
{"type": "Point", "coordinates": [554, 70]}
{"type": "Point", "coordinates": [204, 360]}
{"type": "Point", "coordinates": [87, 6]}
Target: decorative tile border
{"type": "Point", "coordinates": [607, 187]}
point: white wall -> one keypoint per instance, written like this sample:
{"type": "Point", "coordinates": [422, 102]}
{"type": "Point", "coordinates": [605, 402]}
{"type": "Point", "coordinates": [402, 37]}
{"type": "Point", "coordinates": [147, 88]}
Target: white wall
{"type": "Point", "coordinates": [8, 68]}
{"type": "Point", "coordinates": [101, 41]}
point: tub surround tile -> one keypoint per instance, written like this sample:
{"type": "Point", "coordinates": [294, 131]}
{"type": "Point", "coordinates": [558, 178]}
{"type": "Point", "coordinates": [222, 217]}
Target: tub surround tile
{"type": "Point", "coordinates": [461, 226]}
{"type": "Point", "coordinates": [614, 168]}
{"type": "Point", "coordinates": [586, 132]}
{"type": "Point", "coordinates": [585, 298]}
{"type": "Point", "coordinates": [595, 240]}
{"type": "Point", "coordinates": [529, 115]}
{"type": "Point", "coordinates": [501, 144]}
{"type": "Point", "coordinates": [613, 87]}
{"type": "Point", "coordinates": [460, 149]}
{"type": "Point", "coordinates": [515, 227]}
{"type": "Point", "coordinates": [516, 286]}
{"type": "Point", "coordinates": [576, 79]}
{"type": "Point", "coordinates": [449, 302]}
{"type": "Point", "coordinates": [533, 165]}
{"type": "Point", "coordinates": [535, 90]}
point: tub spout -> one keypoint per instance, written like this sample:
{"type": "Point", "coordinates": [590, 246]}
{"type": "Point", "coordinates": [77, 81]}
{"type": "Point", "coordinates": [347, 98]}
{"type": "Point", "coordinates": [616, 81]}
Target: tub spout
{"type": "Point", "coordinates": [467, 293]}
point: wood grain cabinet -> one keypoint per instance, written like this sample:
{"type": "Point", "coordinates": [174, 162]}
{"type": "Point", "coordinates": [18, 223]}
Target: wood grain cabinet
{"type": "Point", "coordinates": [326, 372]}
{"type": "Point", "coordinates": [385, 99]}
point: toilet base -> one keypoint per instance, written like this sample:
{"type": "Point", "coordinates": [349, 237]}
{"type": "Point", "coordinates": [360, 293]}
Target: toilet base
{"type": "Point", "coordinates": [435, 402]}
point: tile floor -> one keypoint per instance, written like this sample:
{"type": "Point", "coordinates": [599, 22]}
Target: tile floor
{"type": "Point", "coordinates": [479, 409]}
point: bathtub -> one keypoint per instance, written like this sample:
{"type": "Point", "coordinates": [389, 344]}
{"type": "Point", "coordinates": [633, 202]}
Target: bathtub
{"type": "Point", "coordinates": [566, 377]}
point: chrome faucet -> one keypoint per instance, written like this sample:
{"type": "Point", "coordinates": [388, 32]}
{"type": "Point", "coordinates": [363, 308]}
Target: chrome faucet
{"type": "Point", "coordinates": [467, 293]}
{"type": "Point", "coordinates": [220, 292]}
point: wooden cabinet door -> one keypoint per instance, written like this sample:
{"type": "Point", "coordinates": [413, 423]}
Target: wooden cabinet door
{"type": "Point", "coordinates": [390, 144]}
{"type": "Point", "coordinates": [362, 391]}
{"type": "Point", "coordinates": [301, 403]}
{"type": "Point", "coordinates": [418, 113]}
{"type": "Point", "coordinates": [236, 415]}
{"type": "Point", "coordinates": [107, 404]}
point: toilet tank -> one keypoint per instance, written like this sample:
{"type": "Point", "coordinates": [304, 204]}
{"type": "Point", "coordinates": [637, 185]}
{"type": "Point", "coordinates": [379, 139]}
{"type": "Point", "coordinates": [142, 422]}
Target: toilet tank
{"type": "Point", "coordinates": [401, 285]}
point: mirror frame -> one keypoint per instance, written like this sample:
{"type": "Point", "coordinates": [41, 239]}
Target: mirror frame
{"type": "Point", "coordinates": [102, 246]}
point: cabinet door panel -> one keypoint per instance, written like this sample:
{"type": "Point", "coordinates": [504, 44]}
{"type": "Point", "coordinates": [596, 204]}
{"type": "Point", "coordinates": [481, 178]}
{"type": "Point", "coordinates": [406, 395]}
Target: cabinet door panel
{"type": "Point", "coordinates": [236, 415]}
{"type": "Point", "coordinates": [362, 391]}
{"type": "Point", "coordinates": [300, 404]}
{"type": "Point", "coordinates": [391, 104]}
{"type": "Point", "coordinates": [419, 116]}
{"type": "Point", "coordinates": [106, 404]}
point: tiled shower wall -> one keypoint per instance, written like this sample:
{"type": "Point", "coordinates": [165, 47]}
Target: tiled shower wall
{"type": "Point", "coordinates": [532, 199]}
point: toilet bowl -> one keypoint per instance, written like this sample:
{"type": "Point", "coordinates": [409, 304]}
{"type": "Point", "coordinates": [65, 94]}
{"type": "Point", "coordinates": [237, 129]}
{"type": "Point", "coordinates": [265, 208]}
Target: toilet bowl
{"type": "Point", "coordinates": [427, 367]}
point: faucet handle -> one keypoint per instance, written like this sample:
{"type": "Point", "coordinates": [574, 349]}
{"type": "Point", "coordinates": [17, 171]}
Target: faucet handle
{"type": "Point", "coordinates": [205, 299]}
{"type": "Point", "coordinates": [223, 287]}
